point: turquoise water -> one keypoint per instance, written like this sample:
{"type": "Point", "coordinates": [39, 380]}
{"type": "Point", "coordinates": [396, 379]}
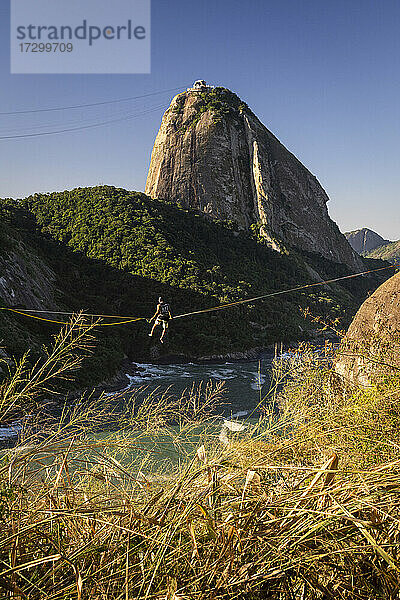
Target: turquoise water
{"type": "Point", "coordinates": [245, 385]}
{"type": "Point", "coordinates": [245, 382]}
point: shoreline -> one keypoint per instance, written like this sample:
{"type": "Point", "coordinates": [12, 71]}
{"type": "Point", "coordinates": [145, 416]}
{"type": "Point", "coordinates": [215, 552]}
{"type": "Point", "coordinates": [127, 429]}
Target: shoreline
{"type": "Point", "coordinates": [121, 379]}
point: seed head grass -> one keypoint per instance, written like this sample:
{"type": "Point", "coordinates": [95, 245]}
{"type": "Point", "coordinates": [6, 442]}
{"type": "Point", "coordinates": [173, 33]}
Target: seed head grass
{"type": "Point", "coordinates": [135, 496]}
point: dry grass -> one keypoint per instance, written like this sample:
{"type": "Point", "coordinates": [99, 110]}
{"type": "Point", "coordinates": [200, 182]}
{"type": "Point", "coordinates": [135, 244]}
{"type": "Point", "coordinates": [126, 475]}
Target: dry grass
{"type": "Point", "coordinates": [302, 506]}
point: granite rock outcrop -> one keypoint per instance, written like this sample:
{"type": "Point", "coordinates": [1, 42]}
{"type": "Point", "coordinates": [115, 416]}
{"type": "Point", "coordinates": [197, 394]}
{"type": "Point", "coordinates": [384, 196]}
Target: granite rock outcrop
{"type": "Point", "coordinates": [214, 155]}
{"type": "Point", "coordinates": [371, 348]}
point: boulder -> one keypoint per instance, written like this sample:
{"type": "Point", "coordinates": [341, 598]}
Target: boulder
{"type": "Point", "coordinates": [370, 351]}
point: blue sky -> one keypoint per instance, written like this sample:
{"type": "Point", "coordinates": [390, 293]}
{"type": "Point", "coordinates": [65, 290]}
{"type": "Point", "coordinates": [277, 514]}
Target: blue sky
{"type": "Point", "coordinates": [322, 75]}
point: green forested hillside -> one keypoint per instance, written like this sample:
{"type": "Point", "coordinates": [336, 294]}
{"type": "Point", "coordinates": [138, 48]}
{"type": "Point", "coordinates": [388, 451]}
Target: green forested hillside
{"type": "Point", "coordinates": [390, 252]}
{"type": "Point", "coordinates": [115, 251]}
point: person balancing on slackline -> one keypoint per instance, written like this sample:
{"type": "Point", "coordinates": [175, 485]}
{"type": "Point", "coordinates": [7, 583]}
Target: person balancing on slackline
{"type": "Point", "coordinates": [161, 316]}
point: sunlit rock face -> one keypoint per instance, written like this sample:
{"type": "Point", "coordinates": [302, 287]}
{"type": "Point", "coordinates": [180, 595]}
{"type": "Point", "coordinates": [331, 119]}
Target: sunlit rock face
{"type": "Point", "coordinates": [370, 350]}
{"type": "Point", "coordinates": [213, 154]}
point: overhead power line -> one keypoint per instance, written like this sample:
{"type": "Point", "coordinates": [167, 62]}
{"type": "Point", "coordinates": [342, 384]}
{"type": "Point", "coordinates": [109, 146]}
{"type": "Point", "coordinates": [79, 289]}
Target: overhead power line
{"type": "Point", "coordinates": [81, 127]}
{"type": "Point", "coordinates": [73, 106]}
{"type": "Point", "coordinates": [55, 121]}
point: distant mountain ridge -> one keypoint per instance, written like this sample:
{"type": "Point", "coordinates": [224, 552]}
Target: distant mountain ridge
{"type": "Point", "coordinates": [370, 244]}
{"type": "Point", "coordinates": [365, 240]}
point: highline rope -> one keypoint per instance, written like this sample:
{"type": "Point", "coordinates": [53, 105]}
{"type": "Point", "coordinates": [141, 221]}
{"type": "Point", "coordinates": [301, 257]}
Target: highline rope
{"type": "Point", "coordinates": [122, 320]}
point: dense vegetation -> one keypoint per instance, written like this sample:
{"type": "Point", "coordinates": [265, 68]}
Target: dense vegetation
{"type": "Point", "coordinates": [220, 101]}
{"type": "Point", "coordinates": [114, 251]}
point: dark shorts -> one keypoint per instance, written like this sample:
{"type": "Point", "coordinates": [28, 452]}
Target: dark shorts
{"type": "Point", "coordinates": [162, 321]}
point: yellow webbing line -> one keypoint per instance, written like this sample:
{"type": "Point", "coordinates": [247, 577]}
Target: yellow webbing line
{"type": "Point", "coordinates": [26, 314]}
{"type": "Point", "coordinates": [131, 319]}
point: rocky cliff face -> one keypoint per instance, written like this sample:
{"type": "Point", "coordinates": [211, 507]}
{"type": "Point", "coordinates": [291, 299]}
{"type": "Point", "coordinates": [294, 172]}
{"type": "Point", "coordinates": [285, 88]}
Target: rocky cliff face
{"type": "Point", "coordinates": [213, 154]}
{"type": "Point", "coordinates": [371, 347]}
{"type": "Point", "coordinates": [25, 280]}
{"type": "Point", "coordinates": [365, 240]}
